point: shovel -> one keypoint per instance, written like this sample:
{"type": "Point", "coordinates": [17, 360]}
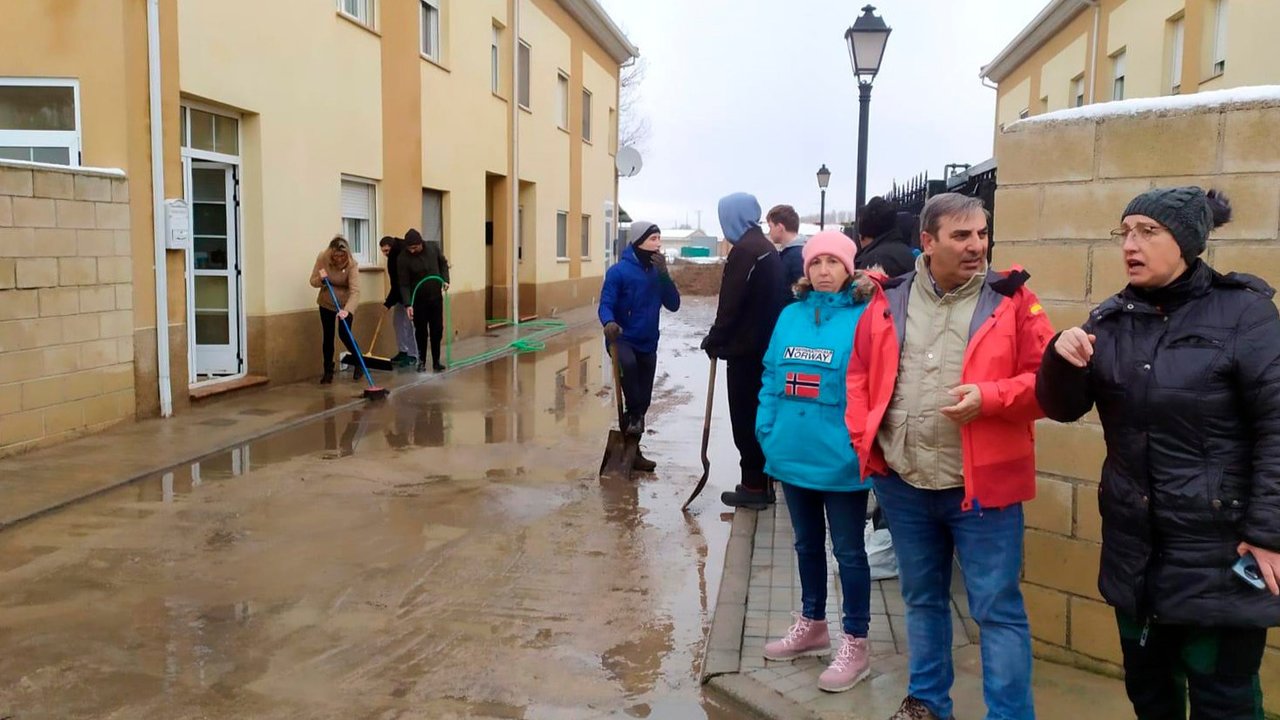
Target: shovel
{"type": "Point", "coordinates": [706, 438]}
{"type": "Point", "coordinates": [619, 450]}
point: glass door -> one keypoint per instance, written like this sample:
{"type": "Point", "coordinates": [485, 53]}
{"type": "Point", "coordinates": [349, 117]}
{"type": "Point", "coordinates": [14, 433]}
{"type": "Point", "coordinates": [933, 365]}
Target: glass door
{"type": "Point", "coordinates": [215, 270]}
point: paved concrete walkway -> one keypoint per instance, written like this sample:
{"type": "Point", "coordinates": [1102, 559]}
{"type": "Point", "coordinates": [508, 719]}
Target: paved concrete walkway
{"type": "Point", "coordinates": [43, 480]}
{"type": "Point", "coordinates": [759, 590]}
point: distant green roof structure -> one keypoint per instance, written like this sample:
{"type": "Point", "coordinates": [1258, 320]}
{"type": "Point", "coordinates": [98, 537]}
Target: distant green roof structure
{"type": "Point", "coordinates": [623, 217]}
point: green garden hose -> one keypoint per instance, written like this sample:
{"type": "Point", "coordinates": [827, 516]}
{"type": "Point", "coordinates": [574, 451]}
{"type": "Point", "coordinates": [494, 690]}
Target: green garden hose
{"type": "Point", "coordinates": [533, 342]}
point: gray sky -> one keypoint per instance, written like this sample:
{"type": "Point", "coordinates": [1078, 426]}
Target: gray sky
{"type": "Point", "coordinates": [755, 95]}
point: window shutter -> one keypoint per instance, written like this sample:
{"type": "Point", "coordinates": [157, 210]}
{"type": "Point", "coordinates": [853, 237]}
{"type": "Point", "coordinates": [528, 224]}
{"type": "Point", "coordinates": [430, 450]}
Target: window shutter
{"type": "Point", "coordinates": [357, 200]}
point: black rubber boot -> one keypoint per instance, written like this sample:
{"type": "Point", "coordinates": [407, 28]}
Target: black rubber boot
{"type": "Point", "coordinates": [771, 493]}
{"type": "Point", "coordinates": [327, 378]}
{"type": "Point", "coordinates": [746, 499]}
{"type": "Point", "coordinates": [422, 366]}
{"type": "Point", "coordinates": [643, 464]}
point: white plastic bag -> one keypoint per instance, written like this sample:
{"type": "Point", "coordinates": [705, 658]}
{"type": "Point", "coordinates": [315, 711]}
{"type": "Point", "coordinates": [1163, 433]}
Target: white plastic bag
{"type": "Point", "coordinates": [884, 562]}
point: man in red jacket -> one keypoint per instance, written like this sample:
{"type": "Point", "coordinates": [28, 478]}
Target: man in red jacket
{"type": "Point", "coordinates": [941, 412]}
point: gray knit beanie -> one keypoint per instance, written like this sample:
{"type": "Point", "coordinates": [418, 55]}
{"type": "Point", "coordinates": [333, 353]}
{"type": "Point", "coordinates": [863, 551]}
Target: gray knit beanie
{"type": "Point", "coordinates": [1189, 212]}
{"type": "Point", "coordinates": [640, 231]}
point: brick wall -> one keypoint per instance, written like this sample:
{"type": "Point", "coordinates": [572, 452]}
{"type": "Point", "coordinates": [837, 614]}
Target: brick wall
{"type": "Point", "coordinates": [1063, 186]}
{"type": "Point", "coordinates": [66, 304]}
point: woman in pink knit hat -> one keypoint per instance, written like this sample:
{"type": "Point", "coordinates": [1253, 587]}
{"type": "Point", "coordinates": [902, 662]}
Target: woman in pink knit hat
{"type": "Point", "coordinates": [801, 428]}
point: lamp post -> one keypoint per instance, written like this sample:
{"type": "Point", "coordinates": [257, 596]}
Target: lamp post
{"type": "Point", "coordinates": [867, 39]}
{"type": "Point", "coordinates": [824, 177]}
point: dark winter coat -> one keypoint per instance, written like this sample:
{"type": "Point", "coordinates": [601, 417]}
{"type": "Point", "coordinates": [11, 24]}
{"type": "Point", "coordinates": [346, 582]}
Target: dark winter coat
{"type": "Point", "coordinates": [889, 251]}
{"type": "Point", "coordinates": [752, 294]}
{"type": "Point", "coordinates": [411, 269]}
{"type": "Point", "coordinates": [633, 296]}
{"type": "Point", "coordinates": [393, 273]}
{"type": "Point", "coordinates": [792, 262]}
{"type": "Point", "coordinates": [1188, 392]}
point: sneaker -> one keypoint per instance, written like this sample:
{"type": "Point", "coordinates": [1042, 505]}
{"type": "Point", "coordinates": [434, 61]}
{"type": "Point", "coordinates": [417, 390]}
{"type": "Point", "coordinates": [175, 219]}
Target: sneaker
{"type": "Point", "coordinates": [851, 665]}
{"type": "Point", "coordinates": [746, 499]}
{"type": "Point", "coordinates": [643, 464]}
{"type": "Point", "coordinates": [422, 366]}
{"type": "Point", "coordinates": [804, 639]}
{"type": "Point", "coordinates": [913, 709]}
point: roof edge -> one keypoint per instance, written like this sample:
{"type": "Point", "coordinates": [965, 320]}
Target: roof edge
{"type": "Point", "coordinates": [602, 29]}
{"type": "Point", "coordinates": [1055, 16]}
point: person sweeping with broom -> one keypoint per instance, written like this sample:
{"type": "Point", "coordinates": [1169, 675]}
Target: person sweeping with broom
{"type": "Point", "coordinates": [337, 265]}
{"type": "Point", "coordinates": [631, 301]}
{"type": "Point", "coordinates": [423, 274]}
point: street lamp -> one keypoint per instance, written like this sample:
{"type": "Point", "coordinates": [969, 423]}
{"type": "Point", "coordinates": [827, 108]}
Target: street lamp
{"type": "Point", "coordinates": [824, 177]}
{"type": "Point", "coordinates": [867, 39]}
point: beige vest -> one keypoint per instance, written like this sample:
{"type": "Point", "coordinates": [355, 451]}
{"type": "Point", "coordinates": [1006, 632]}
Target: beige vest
{"type": "Point", "coordinates": [918, 441]}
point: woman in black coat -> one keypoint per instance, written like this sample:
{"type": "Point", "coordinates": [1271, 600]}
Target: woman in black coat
{"type": "Point", "coordinates": [1184, 367]}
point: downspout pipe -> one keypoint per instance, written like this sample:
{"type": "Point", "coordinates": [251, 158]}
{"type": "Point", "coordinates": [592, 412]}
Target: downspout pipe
{"type": "Point", "coordinates": [1093, 49]}
{"type": "Point", "coordinates": [157, 208]}
{"type": "Point", "coordinates": [515, 164]}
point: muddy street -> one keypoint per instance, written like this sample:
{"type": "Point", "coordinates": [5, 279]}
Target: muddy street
{"type": "Point", "coordinates": [447, 554]}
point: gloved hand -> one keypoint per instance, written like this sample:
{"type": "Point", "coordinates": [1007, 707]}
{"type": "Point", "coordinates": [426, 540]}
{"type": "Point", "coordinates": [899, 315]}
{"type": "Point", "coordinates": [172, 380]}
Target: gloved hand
{"type": "Point", "coordinates": [660, 262]}
{"type": "Point", "coordinates": [612, 331]}
{"type": "Point", "coordinates": [706, 347]}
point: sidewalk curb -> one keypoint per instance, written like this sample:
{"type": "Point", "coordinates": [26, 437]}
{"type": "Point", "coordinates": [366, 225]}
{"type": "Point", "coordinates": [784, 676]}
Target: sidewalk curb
{"type": "Point", "coordinates": [10, 521]}
{"type": "Point", "coordinates": [721, 663]}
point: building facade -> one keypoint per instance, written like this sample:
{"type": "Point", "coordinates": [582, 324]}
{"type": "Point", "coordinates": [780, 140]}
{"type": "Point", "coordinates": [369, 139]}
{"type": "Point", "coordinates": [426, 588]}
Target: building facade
{"type": "Point", "coordinates": [491, 125]}
{"type": "Point", "coordinates": [1080, 52]}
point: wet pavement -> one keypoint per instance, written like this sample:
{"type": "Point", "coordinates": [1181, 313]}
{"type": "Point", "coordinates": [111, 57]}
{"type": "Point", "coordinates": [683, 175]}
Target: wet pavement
{"type": "Point", "coordinates": [449, 553]}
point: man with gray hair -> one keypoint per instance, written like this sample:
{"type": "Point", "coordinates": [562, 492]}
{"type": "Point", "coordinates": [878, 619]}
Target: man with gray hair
{"type": "Point", "coordinates": [941, 412]}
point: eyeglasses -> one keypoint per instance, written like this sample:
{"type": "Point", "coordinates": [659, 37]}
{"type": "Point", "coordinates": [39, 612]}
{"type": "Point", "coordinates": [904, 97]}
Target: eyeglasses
{"type": "Point", "coordinates": [1142, 232]}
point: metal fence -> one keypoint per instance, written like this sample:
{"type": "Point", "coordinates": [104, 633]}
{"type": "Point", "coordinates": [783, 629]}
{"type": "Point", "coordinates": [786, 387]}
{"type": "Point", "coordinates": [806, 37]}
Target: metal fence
{"type": "Point", "coordinates": [909, 197]}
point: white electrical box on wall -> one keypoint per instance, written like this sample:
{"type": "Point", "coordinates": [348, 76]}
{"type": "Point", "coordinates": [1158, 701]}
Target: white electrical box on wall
{"type": "Point", "coordinates": [177, 224]}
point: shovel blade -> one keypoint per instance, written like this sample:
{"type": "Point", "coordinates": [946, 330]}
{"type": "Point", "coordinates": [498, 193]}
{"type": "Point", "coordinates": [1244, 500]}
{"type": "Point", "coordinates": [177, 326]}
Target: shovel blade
{"type": "Point", "coordinates": [619, 456]}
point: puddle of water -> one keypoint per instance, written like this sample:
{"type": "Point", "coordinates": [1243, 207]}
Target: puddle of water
{"type": "Point", "coordinates": [438, 545]}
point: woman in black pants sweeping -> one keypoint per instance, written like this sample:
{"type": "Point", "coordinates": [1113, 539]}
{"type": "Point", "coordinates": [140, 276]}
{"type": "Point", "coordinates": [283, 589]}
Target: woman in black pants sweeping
{"type": "Point", "coordinates": [343, 272]}
{"type": "Point", "coordinates": [422, 260]}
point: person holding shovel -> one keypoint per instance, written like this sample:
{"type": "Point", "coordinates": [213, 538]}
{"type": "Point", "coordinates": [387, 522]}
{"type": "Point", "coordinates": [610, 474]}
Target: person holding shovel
{"type": "Point", "coordinates": [423, 274]}
{"type": "Point", "coordinates": [631, 301]}
{"type": "Point", "coordinates": [800, 425]}
{"type": "Point", "coordinates": [341, 269]}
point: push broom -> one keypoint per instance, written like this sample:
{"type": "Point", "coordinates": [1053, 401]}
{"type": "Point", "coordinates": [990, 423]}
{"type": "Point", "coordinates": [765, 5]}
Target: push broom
{"type": "Point", "coordinates": [373, 392]}
{"type": "Point", "coordinates": [377, 362]}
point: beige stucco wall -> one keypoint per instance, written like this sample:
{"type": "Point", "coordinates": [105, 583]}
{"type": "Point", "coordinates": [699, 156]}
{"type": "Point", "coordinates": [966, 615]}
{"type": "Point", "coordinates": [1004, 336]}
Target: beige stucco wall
{"type": "Point", "coordinates": [1012, 102]}
{"type": "Point", "coordinates": [598, 163]}
{"type": "Point", "coordinates": [66, 305]}
{"type": "Point", "coordinates": [1063, 186]}
{"type": "Point", "coordinates": [1056, 77]}
{"type": "Point", "coordinates": [1253, 55]}
{"type": "Point", "coordinates": [1138, 26]}
{"type": "Point", "coordinates": [316, 112]}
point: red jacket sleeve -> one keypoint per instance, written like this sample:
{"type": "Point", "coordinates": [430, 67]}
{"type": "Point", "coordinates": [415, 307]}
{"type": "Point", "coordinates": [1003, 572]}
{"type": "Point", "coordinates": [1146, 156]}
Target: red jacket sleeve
{"type": "Point", "coordinates": [1014, 398]}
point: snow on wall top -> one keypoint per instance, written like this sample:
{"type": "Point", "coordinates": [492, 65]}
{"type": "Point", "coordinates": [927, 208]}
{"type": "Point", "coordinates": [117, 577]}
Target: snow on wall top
{"type": "Point", "coordinates": [1257, 94]}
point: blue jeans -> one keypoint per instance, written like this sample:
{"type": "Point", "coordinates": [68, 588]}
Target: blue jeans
{"type": "Point", "coordinates": [847, 514]}
{"type": "Point", "coordinates": [928, 529]}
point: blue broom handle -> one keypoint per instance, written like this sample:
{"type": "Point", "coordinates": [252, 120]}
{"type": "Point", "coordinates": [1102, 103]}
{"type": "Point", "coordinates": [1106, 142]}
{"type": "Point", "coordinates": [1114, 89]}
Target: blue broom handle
{"type": "Point", "coordinates": [351, 337]}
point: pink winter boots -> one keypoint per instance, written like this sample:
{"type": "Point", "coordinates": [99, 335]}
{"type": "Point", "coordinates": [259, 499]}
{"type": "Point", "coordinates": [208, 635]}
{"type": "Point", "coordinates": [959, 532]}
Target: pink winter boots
{"type": "Point", "coordinates": [807, 638]}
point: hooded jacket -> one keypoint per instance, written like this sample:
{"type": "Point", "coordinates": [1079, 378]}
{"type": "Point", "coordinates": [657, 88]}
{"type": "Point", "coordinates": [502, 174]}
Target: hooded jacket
{"type": "Point", "coordinates": [1188, 392]}
{"type": "Point", "coordinates": [800, 424]}
{"type": "Point", "coordinates": [1007, 337]}
{"type": "Point", "coordinates": [412, 269]}
{"type": "Point", "coordinates": [889, 252]}
{"type": "Point", "coordinates": [345, 281]}
{"type": "Point", "coordinates": [753, 290]}
{"type": "Point", "coordinates": [633, 296]}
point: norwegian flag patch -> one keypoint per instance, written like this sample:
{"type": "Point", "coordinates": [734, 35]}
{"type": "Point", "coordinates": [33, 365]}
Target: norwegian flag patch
{"type": "Point", "coordinates": [804, 385]}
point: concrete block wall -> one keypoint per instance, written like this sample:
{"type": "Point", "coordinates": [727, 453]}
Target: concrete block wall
{"type": "Point", "coordinates": [1063, 187]}
{"type": "Point", "coordinates": [66, 304]}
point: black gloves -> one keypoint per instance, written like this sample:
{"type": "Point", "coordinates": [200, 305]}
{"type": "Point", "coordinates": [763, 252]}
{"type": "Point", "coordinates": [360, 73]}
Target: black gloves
{"type": "Point", "coordinates": [612, 331]}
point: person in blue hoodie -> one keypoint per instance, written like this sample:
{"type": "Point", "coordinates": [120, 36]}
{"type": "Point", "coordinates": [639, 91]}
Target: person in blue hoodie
{"type": "Point", "coordinates": [802, 430]}
{"type": "Point", "coordinates": [635, 291]}
{"type": "Point", "coordinates": [753, 292]}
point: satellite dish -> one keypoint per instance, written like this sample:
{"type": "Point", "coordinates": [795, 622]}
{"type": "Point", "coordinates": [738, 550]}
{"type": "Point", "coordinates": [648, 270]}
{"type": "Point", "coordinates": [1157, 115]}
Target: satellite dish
{"type": "Point", "coordinates": [628, 162]}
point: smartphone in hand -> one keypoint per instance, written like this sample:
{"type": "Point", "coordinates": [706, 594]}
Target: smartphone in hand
{"type": "Point", "coordinates": [1247, 568]}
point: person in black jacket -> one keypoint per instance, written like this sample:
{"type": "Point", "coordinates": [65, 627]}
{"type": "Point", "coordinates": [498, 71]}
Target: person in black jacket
{"type": "Point", "coordinates": [423, 273]}
{"type": "Point", "coordinates": [752, 295]}
{"type": "Point", "coordinates": [1184, 368]}
{"type": "Point", "coordinates": [882, 245]}
{"type": "Point", "coordinates": [391, 248]}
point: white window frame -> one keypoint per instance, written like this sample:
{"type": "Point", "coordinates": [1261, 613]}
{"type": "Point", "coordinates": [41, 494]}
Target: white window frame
{"type": "Point", "coordinates": [586, 237]}
{"type": "Point", "coordinates": [70, 139]}
{"type": "Point", "coordinates": [586, 114]}
{"type": "Point", "coordinates": [1219, 38]}
{"type": "Point", "coordinates": [562, 99]}
{"type": "Point", "coordinates": [1117, 74]}
{"type": "Point", "coordinates": [429, 31]}
{"type": "Point", "coordinates": [1177, 34]}
{"type": "Point", "coordinates": [363, 254]}
{"type": "Point", "coordinates": [524, 76]}
{"type": "Point", "coordinates": [495, 61]}
{"type": "Point", "coordinates": [364, 13]}
{"type": "Point", "coordinates": [1077, 91]}
{"type": "Point", "coordinates": [562, 238]}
